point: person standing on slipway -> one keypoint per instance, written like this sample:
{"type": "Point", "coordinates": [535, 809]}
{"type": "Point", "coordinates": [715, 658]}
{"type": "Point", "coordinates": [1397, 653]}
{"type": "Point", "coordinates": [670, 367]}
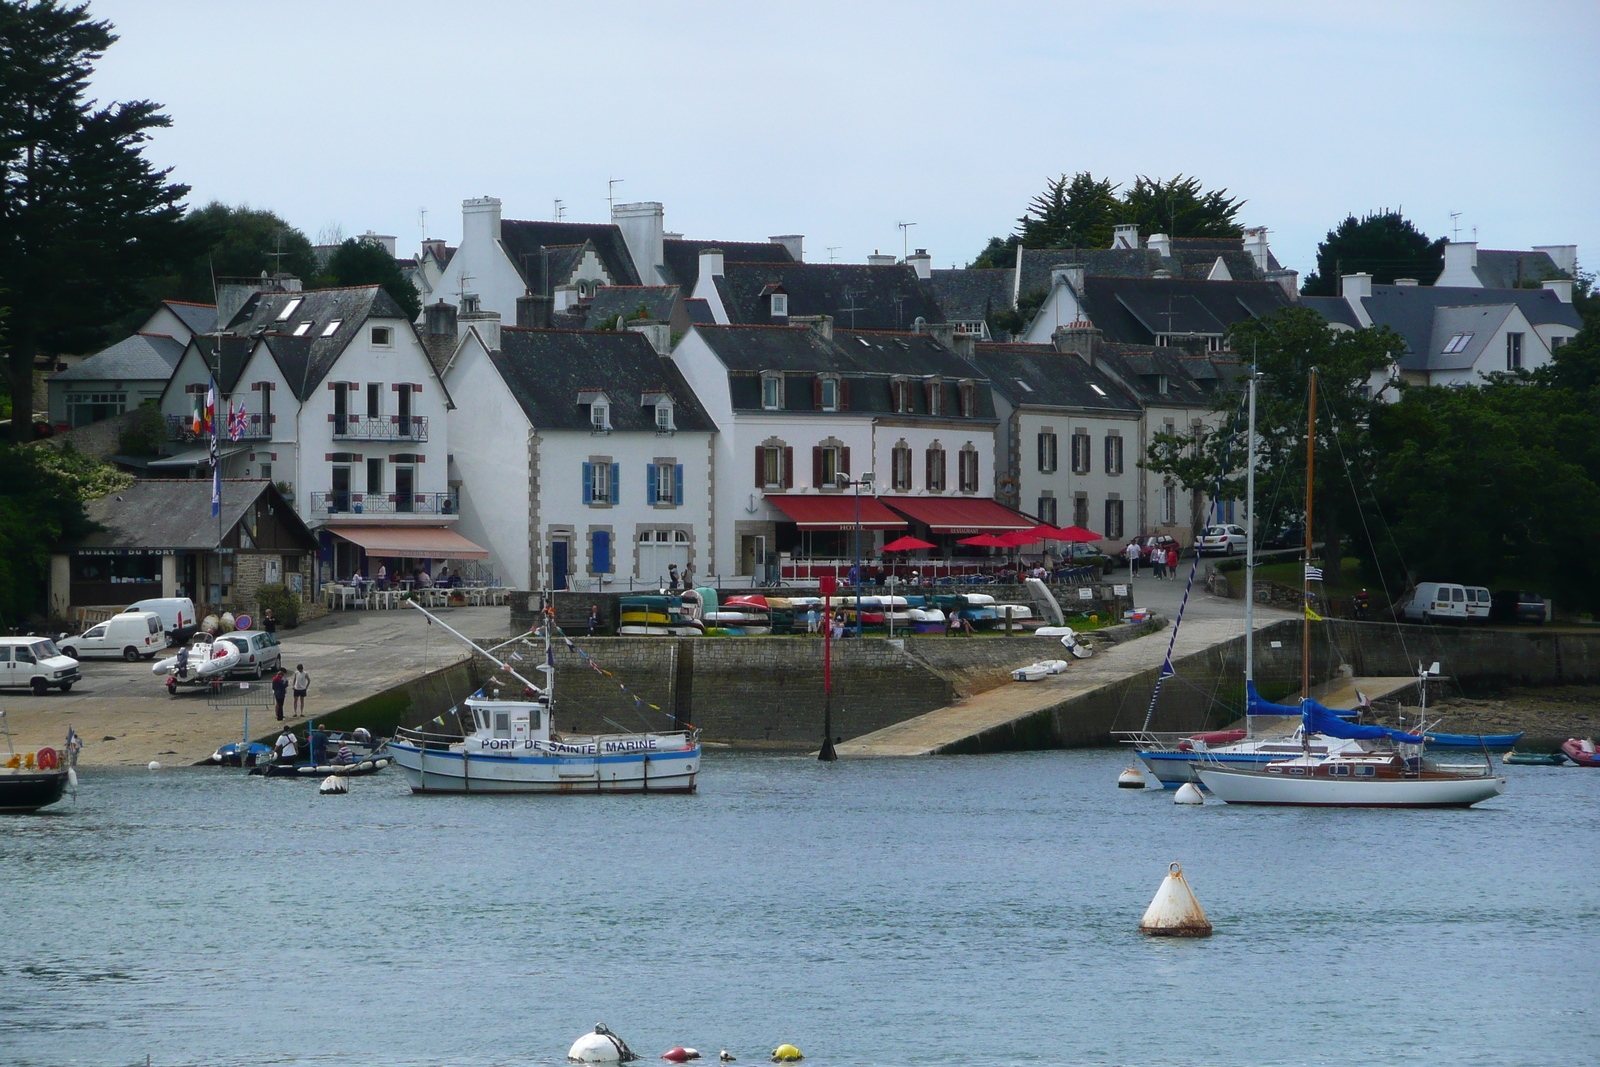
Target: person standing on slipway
{"type": "Point", "coordinates": [1134, 555]}
{"type": "Point", "coordinates": [301, 685]}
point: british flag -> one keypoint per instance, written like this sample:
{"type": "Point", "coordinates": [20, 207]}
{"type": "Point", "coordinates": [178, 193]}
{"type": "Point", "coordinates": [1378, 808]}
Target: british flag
{"type": "Point", "coordinates": [236, 421]}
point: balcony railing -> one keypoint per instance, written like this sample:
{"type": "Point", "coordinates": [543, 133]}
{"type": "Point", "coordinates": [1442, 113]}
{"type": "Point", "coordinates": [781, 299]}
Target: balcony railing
{"type": "Point", "coordinates": [257, 427]}
{"type": "Point", "coordinates": [379, 427]}
{"type": "Point", "coordinates": [338, 502]}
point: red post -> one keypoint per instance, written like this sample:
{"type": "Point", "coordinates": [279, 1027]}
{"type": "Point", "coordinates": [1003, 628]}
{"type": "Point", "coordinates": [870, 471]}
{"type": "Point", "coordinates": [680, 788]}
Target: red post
{"type": "Point", "coordinates": [827, 585]}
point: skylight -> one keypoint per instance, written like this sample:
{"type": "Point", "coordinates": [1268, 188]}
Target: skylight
{"type": "Point", "coordinates": [300, 330]}
{"type": "Point", "coordinates": [1458, 343]}
{"type": "Point", "coordinates": [864, 342]}
{"type": "Point", "coordinates": [332, 328]}
{"type": "Point", "coordinates": [1097, 390]}
{"type": "Point", "coordinates": [289, 309]}
{"type": "Point", "coordinates": [1024, 385]}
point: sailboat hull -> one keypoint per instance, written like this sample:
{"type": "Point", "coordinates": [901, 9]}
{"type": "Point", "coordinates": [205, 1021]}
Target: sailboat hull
{"type": "Point", "coordinates": [1239, 786]}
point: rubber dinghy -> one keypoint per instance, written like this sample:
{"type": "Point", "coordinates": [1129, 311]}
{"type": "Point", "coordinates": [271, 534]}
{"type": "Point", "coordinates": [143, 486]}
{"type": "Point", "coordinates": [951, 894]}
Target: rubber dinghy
{"type": "Point", "coordinates": [204, 661]}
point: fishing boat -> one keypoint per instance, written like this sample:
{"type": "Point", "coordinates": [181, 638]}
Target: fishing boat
{"type": "Point", "coordinates": [205, 660]}
{"type": "Point", "coordinates": [514, 747]}
{"type": "Point", "coordinates": [35, 780]}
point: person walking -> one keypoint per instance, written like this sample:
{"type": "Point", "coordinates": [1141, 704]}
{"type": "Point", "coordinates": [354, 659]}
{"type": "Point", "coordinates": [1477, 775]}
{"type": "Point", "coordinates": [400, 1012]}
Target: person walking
{"type": "Point", "coordinates": [1134, 555]}
{"type": "Point", "coordinates": [301, 684]}
{"type": "Point", "coordinates": [672, 577]}
{"type": "Point", "coordinates": [1172, 561]}
{"type": "Point", "coordinates": [280, 689]}
{"type": "Point", "coordinates": [1158, 562]}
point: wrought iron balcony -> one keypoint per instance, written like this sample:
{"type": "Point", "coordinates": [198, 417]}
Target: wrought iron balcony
{"type": "Point", "coordinates": [341, 502]}
{"type": "Point", "coordinates": [257, 427]}
{"type": "Point", "coordinates": [379, 427]}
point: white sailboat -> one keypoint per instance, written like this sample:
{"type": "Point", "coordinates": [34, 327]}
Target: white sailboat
{"type": "Point", "coordinates": [513, 746]}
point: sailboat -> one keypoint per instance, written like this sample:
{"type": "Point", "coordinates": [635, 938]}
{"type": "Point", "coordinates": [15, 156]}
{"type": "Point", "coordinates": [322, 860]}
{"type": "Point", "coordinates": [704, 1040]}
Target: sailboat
{"type": "Point", "coordinates": [1389, 768]}
{"type": "Point", "coordinates": [514, 747]}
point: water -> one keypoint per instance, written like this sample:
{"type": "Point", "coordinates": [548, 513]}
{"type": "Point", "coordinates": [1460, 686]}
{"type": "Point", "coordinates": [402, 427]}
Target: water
{"type": "Point", "coordinates": [954, 911]}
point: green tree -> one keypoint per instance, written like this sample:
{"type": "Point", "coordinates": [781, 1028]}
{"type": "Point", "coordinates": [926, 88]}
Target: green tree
{"type": "Point", "coordinates": [1285, 348]}
{"type": "Point", "coordinates": [364, 263]}
{"type": "Point", "coordinates": [1384, 244]}
{"type": "Point", "coordinates": [999, 252]}
{"type": "Point", "coordinates": [1179, 207]}
{"type": "Point", "coordinates": [84, 217]}
{"type": "Point", "coordinates": [1075, 212]}
{"type": "Point", "coordinates": [42, 494]}
{"type": "Point", "coordinates": [233, 242]}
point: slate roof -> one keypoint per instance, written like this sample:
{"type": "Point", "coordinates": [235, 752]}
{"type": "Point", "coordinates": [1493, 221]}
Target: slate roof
{"type": "Point", "coordinates": [1475, 325]}
{"type": "Point", "coordinates": [1409, 309]}
{"type": "Point", "coordinates": [970, 295]}
{"type": "Point", "coordinates": [176, 513]}
{"type": "Point", "coordinates": [1192, 258]}
{"type": "Point", "coordinates": [1334, 309]}
{"type": "Point", "coordinates": [1499, 269]}
{"type": "Point", "coordinates": [1141, 367]}
{"type": "Point", "coordinates": [700, 311]}
{"type": "Point", "coordinates": [1135, 310]}
{"type": "Point", "coordinates": [625, 300]}
{"type": "Point", "coordinates": [199, 318]}
{"type": "Point", "coordinates": [234, 354]}
{"type": "Point", "coordinates": [682, 266]}
{"type": "Point", "coordinates": [1039, 375]}
{"type": "Point", "coordinates": [882, 298]}
{"type": "Point", "coordinates": [547, 369]}
{"type": "Point", "coordinates": [138, 357]}
{"type": "Point", "coordinates": [306, 360]}
{"type": "Point", "coordinates": [523, 240]}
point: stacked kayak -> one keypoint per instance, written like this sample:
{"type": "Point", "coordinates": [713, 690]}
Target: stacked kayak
{"type": "Point", "coordinates": [740, 616]}
{"type": "Point", "coordinates": [656, 616]}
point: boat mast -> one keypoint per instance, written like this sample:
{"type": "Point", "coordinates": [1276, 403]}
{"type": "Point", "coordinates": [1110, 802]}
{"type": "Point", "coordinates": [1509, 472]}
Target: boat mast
{"type": "Point", "coordinates": [1250, 541]}
{"type": "Point", "coordinates": [1305, 579]}
{"type": "Point", "coordinates": [543, 690]}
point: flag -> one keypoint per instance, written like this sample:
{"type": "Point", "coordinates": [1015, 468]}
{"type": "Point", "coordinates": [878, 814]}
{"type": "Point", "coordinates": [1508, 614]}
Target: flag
{"type": "Point", "coordinates": [1313, 574]}
{"type": "Point", "coordinates": [236, 421]}
{"type": "Point", "coordinates": [209, 424]}
{"type": "Point", "coordinates": [516, 657]}
{"type": "Point", "coordinates": [197, 417]}
{"type": "Point", "coordinates": [1312, 616]}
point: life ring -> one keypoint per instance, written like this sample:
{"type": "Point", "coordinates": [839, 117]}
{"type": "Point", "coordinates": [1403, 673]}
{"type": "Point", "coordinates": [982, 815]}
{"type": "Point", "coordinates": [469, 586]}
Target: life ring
{"type": "Point", "coordinates": [1008, 487]}
{"type": "Point", "coordinates": [47, 760]}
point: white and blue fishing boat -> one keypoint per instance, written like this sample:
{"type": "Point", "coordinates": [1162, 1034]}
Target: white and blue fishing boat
{"type": "Point", "coordinates": [512, 745]}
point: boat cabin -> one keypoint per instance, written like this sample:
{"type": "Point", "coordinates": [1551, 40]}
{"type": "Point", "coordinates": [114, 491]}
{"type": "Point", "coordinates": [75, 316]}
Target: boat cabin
{"type": "Point", "coordinates": [513, 721]}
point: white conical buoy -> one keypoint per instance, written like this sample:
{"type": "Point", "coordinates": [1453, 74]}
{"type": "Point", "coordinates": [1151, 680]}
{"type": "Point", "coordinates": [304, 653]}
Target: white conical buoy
{"type": "Point", "coordinates": [1175, 912]}
{"type": "Point", "coordinates": [1132, 778]}
{"type": "Point", "coordinates": [1189, 793]}
{"type": "Point", "coordinates": [155, 765]}
{"type": "Point", "coordinates": [333, 785]}
{"type": "Point", "coordinates": [602, 1046]}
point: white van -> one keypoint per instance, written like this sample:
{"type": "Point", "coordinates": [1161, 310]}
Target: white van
{"type": "Point", "coordinates": [177, 616]}
{"type": "Point", "coordinates": [130, 635]}
{"type": "Point", "coordinates": [1478, 602]}
{"type": "Point", "coordinates": [1438, 602]}
{"type": "Point", "coordinates": [35, 663]}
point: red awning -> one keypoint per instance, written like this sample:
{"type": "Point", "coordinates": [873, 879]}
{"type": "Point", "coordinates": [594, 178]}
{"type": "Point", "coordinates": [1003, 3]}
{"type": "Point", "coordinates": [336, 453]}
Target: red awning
{"type": "Point", "coordinates": [836, 512]}
{"type": "Point", "coordinates": [972, 515]}
{"type": "Point", "coordinates": [412, 542]}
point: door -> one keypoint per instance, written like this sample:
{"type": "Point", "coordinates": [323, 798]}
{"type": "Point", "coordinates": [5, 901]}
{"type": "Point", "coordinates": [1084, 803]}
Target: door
{"type": "Point", "coordinates": [404, 483]}
{"type": "Point", "coordinates": [340, 497]}
{"type": "Point", "coordinates": [558, 564]}
{"type": "Point", "coordinates": [93, 640]}
{"type": "Point", "coordinates": [600, 542]}
{"type": "Point", "coordinates": [403, 409]}
{"type": "Point", "coordinates": [341, 409]}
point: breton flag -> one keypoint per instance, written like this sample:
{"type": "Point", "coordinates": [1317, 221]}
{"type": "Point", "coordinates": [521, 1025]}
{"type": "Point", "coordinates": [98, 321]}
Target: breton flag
{"type": "Point", "coordinates": [1313, 574]}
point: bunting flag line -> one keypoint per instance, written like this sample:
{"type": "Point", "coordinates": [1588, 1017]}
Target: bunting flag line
{"type": "Point", "coordinates": [517, 656]}
{"type": "Point", "coordinates": [638, 700]}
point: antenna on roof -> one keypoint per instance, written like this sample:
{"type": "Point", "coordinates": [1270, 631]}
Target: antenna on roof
{"type": "Point", "coordinates": [422, 220]}
{"type": "Point", "coordinates": [559, 210]}
{"type": "Point", "coordinates": [831, 250]}
{"type": "Point", "coordinates": [850, 296]}
{"type": "Point", "coordinates": [905, 239]}
{"type": "Point", "coordinates": [1455, 226]}
{"type": "Point", "coordinates": [611, 188]}
{"type": "Point", "coordinates": [277, 256]}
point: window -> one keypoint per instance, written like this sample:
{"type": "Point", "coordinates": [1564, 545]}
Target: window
{"type": "Point", "coordinates": [828, 394]}
{"type": "Point", "coordinates": [967, 471]}
{"type": "Point", "coordinates": [663, 417]}
{"type": "Point", "coordinates": [599, 417]}
{"type": "Point", "coordinates": [1161, 384]}
{"type": "Point", "coordinates": [1556, 343]}
{"type": "Point", "coordinates": [664, 481]}
{"type": "Point", "coordinates": [1097, 390]}
{"type": "Point", "coordinates": [1113, 454]}
{"type": "Point", "coordinates": [828, 462]}
{"type": "Point", "coordinates": [900, 468]}
{"type": "Point", "coordinates": [774, 466]}
{"type": "Point", "coordinates": [339, 498]}
{"type": "Point", "coordinates": [1169, 505]}
{"type": "Point", "coordinates": [332, 327]}
{"type": "Point", "coordinates": [1047, 510]}
{"type": "Point", "coordinates": [935, 472]}
{"type": "Point", "coordinates": [780, 305]}
{"type": "Point", "coordinates": [1458, 343]}
{"type": "Point", "coordinates": [1080, 509]}
{"type": "Point", "coordinates": [601, 480]}
{"type": "Point", "coordinates": [266, 471]}
{"type": "Point", "coordinates": [382, 337]}
{"type": "Point", "coordinates": [84, 408]}
{"type": "Point", "coordinates": [1047, 452]}
{"type": "Point", "coordinates": [1080, 452]}
{"type": "Point", "coordinates": [375, 475]}
{"type": "Point", "coordinates": [600, 552]}
{"type": "Point", "coordinates": [935, 397]}
{"type": "Point", "coordinates": [969, 399]}
{"type": "Point", "coordinates": [900, 395]}
{"type": "Point", "coordinates": [302, 328]}
{"type": "Point", "coordinates": [374, 399]}
{"type": "Point", "coordinates": [1513, 351]}
{"type": "Point", "coordinates": [289, 309]}
{"type": "Point", "coordinates": [1113, 525]}
{"type": "Point", "coordinates": [772, 391]}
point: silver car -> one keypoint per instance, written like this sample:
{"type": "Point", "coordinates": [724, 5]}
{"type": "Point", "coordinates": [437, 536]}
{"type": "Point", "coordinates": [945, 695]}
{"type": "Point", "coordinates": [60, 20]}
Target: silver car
{"type": "Point", "coordinates": [259, 652]}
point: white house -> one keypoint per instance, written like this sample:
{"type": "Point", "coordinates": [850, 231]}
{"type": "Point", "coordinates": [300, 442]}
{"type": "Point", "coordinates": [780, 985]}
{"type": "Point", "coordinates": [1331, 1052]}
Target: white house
{"type": "Point", "coordinates": [130, 372]}
{"type": "Point", "coordinates": [1466, 266]}
{"type": "Point", "coordinates": [801, 407]}
{"type": "Point", "coordinates": [585, 459]}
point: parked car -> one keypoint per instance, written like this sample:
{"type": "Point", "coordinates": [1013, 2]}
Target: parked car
{"type": "Point", "coordinates": [1437, 602]}
{"type": "Point", "coordinates": [1478, 601]}
{"type": "Point", "coordinates": [131, 635]}
{"type": "Point", "coordinates": [1082, 555]}
{"type": "Point", "coordinates": [1225, 539]}
{"type": "Point", "coordinates": [177, 615]}
{"type": "Point", "coordinates": [259, 653]}
{"type": "Point", "coordinates": [1148, 544]}
{"type": "Point", "coordinates": [36, 663]}
{"type": "Point", "coordinates": [1518, 605]}
{"type": "Point", "coordinates": [1291, 536]}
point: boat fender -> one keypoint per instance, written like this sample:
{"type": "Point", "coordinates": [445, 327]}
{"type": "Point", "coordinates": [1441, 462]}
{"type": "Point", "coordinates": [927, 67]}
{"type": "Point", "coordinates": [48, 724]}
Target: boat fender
{"type": "Point", "coordinates": [334, 786]}
{"type": "Point", "coordinates": [72, 777]}
{"type": "Point", "coordinates": [680, 1054]}
{"type": "Point", "coordinates": [602, 1046]}
{"type": "Point", "coordinates": [47, 760]}
{"type": "Point", "coordinates": [1132, 778]}
{"type": "Point", "coordinates": [1175, 912]}
{"type": "Point", "coordinates": [786, 1053]}
{"type": "Point", "coordinates": [154, 765]}
{"type": "Point", "coordinates": [1188, 793]}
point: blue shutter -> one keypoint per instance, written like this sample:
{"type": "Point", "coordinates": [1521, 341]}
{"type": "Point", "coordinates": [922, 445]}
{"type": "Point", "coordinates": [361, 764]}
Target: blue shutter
{"type": "Point", "coordinates": [677, 484]}
{"type": "Point", "coordinates": [616, 483]}
{"type": "Point", "coordinates": [649, 483]}
{"type": "Point", "coordinates": [588, 483]}
{"type": "Point", "coordinates": [601, 540]}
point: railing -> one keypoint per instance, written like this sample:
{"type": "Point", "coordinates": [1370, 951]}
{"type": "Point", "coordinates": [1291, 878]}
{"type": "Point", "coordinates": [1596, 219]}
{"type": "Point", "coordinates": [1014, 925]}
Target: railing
{"type": "Point", "coordinates": [257, 427]}
{"type": "Point", "coordinates": [337, 502]}
{"type": "Point", "coordinates": [379, 427]}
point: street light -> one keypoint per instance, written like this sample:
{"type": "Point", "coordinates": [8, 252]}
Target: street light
{"type": "Point", "coordinates": [865, 481]}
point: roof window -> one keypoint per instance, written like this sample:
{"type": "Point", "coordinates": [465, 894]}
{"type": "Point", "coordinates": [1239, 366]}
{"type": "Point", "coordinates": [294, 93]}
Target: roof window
{"type": "Point", "coordinates": [1097, 390]}
{"type": "Point", "coordinates": [1024, 386]}
{"type": "Point", "coordinates": [1458, 343]}
{"type": "Point", "coordinates": [289, 309]}
{"type": "Point", "coordinates": [332, 327]}
{"type": "Point", "coordinates": [780, 305]}
{"type": "Point", "coordinates": [300, 330]}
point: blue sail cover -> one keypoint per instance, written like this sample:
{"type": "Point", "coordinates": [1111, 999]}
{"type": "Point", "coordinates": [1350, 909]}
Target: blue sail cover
{"type": "Point", "coordinates": [1254, 705]}
{"type": "Point", "coordinates": [1321, 720]}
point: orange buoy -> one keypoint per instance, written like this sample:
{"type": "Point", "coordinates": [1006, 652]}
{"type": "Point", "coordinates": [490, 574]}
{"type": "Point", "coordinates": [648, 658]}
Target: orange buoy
{"type": "Point", "coordinates": [47, 759]}
{"type": "Point", "coordinates": [680, 1054]}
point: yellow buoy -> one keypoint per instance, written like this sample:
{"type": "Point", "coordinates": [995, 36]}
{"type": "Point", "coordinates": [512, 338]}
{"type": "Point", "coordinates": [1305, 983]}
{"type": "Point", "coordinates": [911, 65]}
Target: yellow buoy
{"type": "Point", "coordinates": [786, 1054]}
{"type": "Point", "coordinates": [1175, 912]}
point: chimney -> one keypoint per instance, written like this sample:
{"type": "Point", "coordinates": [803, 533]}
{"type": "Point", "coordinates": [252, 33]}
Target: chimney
{"type": "Point", "coordinates": [1405, 281]}
{"type": "Point", "coordinates": [1562, 287]}
{"type": "Point", "coordinates": [1160, 244]}
{"type": "Point", "coordinates": [1255, 242]}
{"type": "Point", "coordinates": [710, 264]}
{"type": "Point", "coordinates": [480, 220]}
{"type": "Point", "coordinates": [1069, 273]}
{"type": "Point", "coordinates": [794, 242]}
{"type": "Point", "coordinates": [659, 334]}
{"type": "Point", "coordinates": [823, 324]}
{"type": "Point", "coordinates": [439, 320]}
{"type": "Point", "coordinates": [1082, 340]}
{"type": "Point", "coordinates": [565, 297]}
{"type": "Point", "coordinates": [878, 259]}
{"type": "Point", "coordinates": [1125, 235]}
{"type": "Point", "coordinates": [943, 332]}
{"type": "Point", "coordinates": [1289, 280]}
{"type": "Point", "coordinates": [643, 227]}
{"type": "Point", "coordinates": [1356, 286]}
{"type": "Point", "coordinates": [434, 247]}
{"type": "Point", "coordinates": [922, 263]}
{"type": "Point", "coordinates": [1460, 257]}
{"type": "Point", "coordinates": [487, 324]}
{"type": "Point", "coordinates": [534, 311]}
{"type": "Point", "coordinates": [1565, 257]}
{"type": "Point", "coordinates": [382, 240]}
{"type": "Point", "coordinates": [231, 296]}
{"type": "Point", "coordinates": [964, 345]}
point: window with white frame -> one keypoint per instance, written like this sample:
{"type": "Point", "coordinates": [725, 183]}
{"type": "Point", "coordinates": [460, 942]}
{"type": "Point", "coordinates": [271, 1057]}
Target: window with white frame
{"type": "Point", "coordinates": [1047, 509]}
{"type": "Point", "coordinates": [830, 464]}
{"type": "Point", "coordinates": [664, 416]}
{"type": "Point", "coordinates": [969, 400]}
{"type": "Point", "coordinates": [772, 466]}
{"type": "Point", "coordinates": [1080, 509]}
{"type": "Point", "coordinates": [1169, 505]}
{"type": "Point", "coordinates": [332, 327]}
{"type": "Point", "coordinates": [1457, 343]}
{"type": "Point", "coordinates": [289, 309]}
{"type": "Point", "coordinates": [1113, 524]}
{"type": "Point", "coordinates": [1048, 456]}
{"type": "Point", "coordinates": [935, 396]}
{"type": "Point", "coordinates": [967, 470]}
{"type": "Point", "coordinates": [302, 328]}
{"type": "Point", "coordinates": [900, 467]}
{"type": "Point", "coordinates": [1513, 351]}
{"type": "Point", "coordinates": [830, 393]}
{"type": "Point", "coordinates": [900, 395]}
{"type": "Point", "coordinates": [935, 463]}
{"type": "Point", "coordinates": [1113, 454]}
{"type": "Point", "coordinates": [599, 417]}
{"type": "Point", "coordinates": [382, 337]}
{"type": "Point", "coordinates": [780, 305]}
{"type": "Point", "coordinates": [1080, 452]}
{"type": "Point", "coordinates": [666, 482]}
{"type": "Point", "coordinates": [772, 392]}
{"type": "Point", "coordinates": [1556, 343]}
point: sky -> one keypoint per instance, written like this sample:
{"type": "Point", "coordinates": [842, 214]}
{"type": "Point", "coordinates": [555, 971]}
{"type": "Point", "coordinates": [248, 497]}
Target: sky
{"type": "Point", "coordinates": [840, 121]}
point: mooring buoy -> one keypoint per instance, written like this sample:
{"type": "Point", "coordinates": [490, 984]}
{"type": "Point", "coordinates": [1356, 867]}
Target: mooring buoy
{"type": "Point", "coordinates": [1175, 912]}
{"type": "Point", "coordinates": [1132, 778]}
{"type": "Point", "coordinates": [1188, 793]}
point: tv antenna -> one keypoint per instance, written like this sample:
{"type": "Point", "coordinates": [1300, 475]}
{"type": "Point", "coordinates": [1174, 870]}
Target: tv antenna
{"type": "Point", "coordinates": [905, 238]}
{"type": "Point", "coordinates": [422, 220]}
{"type": "Point", "coordinates": [831, 250]}
{"type": "Point", "coordinates": [277, 257]}
{"type": "Point", "coordinates": [1455, 225]}
{"type": "Point", "coordinates": [560, 209]}
{"type": "Point", "coordinates": [850, 296]}
{"type": "Point", "coordinates": [461, 287]}
{"type": "Point", "coordinates": [611, 189]}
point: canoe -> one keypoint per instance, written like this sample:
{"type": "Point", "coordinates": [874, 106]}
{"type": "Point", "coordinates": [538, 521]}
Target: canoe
{"type": "Point", "coordinates": [681, 629]}
{"type": "Point", "coordinates": [747, 601]}
{"type": "Point", "coordinates": [650, 603]}
{"type": "Point", "coordinates": [733, 618]}
{"type": "Point", "coordinates": [1535, 759]}
{"type": "Point", "coordinates": [658, 618]}
{"type": "Point", "coordinates": [1473, 740]}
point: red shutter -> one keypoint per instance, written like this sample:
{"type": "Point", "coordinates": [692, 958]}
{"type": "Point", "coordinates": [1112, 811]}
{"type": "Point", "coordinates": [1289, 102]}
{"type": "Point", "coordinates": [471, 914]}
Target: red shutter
{"type": "Point", "coordinates": [760, 456]}
{"type": "Point", "coordinates": [816, 467]}
{"type": "Point", "coordinates": [416, 387]}
{"type": "Point", "coordinates": [844, 460]}
{"type": "Point", "coordinates": [816, 394]}
{"type": "Point", "coordinates": [788, 467]}
{"type": "Point", "coordinates": [844, 395]}
{"type": "Point", "coordinates": [928, 464]}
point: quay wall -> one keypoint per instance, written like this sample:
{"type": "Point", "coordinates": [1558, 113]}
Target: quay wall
{"type": "Point", "coordinates": [1528, 656]}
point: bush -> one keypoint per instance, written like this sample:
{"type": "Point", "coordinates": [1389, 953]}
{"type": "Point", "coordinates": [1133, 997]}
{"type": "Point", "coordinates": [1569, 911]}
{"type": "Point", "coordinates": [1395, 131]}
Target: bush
{"type": "Point", "coordinates": [284, 604]}
{"type": "Point", "coordinates": [146, 433]}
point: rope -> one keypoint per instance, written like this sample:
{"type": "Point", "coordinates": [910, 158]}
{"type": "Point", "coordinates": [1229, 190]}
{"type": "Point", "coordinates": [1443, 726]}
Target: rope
{"type": "Point", "coordinates": [639, 702]}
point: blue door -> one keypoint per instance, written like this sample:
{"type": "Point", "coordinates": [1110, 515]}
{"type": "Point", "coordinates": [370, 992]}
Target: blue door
{"type": "Point", "coordinates": [601, 540]}
{"type": "Point", "coordinates": [558, 564]}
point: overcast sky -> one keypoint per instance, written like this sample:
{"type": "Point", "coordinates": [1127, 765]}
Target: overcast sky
{"type": "Point", "coordinates": [840, 121]}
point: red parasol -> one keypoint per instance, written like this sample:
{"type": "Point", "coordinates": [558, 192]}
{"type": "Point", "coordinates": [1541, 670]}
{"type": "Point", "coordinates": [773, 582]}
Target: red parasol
{"type": "Point", "coordinates": [984, 541]}
{"type": "Point", "coordinates": [1046, 531]}
{"type": "Point", "coordinates": [1018, 538]}
{"type": "Point", "coordinates": [906, 544]}
{"type": "Point", "coordinates": [1079, 535]}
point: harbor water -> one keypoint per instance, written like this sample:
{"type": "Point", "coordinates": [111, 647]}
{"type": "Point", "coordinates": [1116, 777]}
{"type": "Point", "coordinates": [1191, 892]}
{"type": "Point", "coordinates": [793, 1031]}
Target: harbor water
{"type": "Point", "coordinates": [972, 911]}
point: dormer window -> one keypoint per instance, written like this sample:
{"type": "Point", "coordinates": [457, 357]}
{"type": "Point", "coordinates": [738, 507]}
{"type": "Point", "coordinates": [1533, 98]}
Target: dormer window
{"type": "Point", "coordinates": [599, 417]}
{"type": "Point", "coordinates": [780, 305]}
{"type": "Point", "coordinates": [470, 304]}
{"type": "Point", "coordinates": [663, 417]}
{"type": "Point", "coordinates": [289, 309]}
{"type": "Point", "coordinates": [969, 400]}
{"type": "Point", "coordinates": [900, 394]}
{"type": "Point", "coordinates": [827, 394]}
{"type": "Point", "coordinates": [772, 392]}
{"type": "Point", "coordinates": [935, 396]}
{"type": "Point", "coordinates": [1161, 384]}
